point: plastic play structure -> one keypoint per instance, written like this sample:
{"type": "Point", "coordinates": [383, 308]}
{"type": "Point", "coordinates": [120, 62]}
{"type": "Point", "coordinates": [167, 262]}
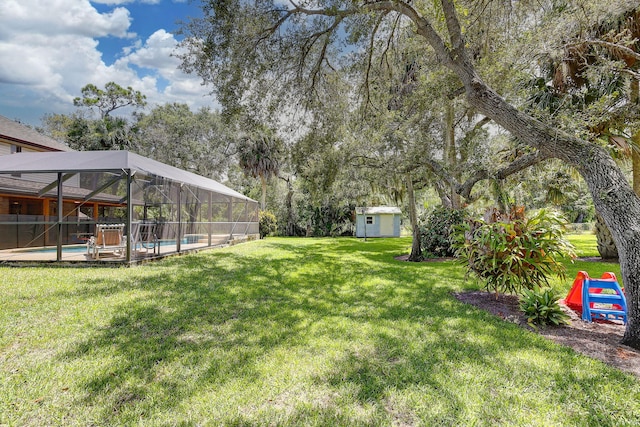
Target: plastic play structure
{"type": "Point", "coordinates": [597, 299]}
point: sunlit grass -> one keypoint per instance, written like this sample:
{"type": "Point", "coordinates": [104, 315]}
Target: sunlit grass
{"type": "Point", "coordinates": [286, 332]}
{"type": "Point", "coordinates": [585, 244]}
{"type": "Point", "coordinates": [585, 247]}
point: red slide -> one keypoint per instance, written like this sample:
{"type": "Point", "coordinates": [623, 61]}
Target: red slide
{"type": "Point", "coordinates": [574, 297]}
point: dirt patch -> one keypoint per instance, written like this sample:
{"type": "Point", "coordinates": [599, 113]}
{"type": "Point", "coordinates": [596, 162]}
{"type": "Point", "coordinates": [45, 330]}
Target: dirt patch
{"type": "Point", "coordinates": [406, 258]}
{"type": "Point", "coordinates": [600, 340]}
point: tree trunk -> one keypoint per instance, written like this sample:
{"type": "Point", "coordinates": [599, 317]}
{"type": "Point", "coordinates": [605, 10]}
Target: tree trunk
{"type": "Point", "coordinates": [443, 192]}
{"type": "Point", "coordinates": [416, 250]}
{"type": "Point", "coordinates": [613, 197]}
{"type": "Point", "coordinates": [606, 245]}
{"type": "Point", "coordinates": [451, 155]}
{"type": "Point", "coordinates": [291, 225]}
{"type": "Point", "coordinates": [635, 140]}
{"type": "Point", "coordinates": [263, 200]}
{"type": "Point", "coordinates": [635, 156]}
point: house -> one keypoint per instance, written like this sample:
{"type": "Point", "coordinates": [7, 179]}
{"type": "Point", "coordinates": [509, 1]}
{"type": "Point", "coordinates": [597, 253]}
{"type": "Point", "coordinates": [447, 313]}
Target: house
{"type": "Point", "coordinates": [18, 138]}
{"type": "Point", "coordinates": [378, 221]}
{"type": "Point", "coordinates": [16, 190]}
{"type": "Point", "coordinates": [54, 200]}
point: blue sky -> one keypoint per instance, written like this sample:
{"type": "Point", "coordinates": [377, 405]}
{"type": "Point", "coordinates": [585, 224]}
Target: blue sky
{"type": "Point", "coordinates": [50, 49]}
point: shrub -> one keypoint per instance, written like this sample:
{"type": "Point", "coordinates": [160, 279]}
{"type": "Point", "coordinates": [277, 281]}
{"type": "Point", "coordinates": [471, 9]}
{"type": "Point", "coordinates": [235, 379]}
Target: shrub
{"type": "Point", "coordinates": [510, 253]}
{"type": "Point", "coordinates": [435, 233]}
{"type": "Point", "coordinates": [541, 307]}
{"type": "Point", "coordinates": [268, 223]}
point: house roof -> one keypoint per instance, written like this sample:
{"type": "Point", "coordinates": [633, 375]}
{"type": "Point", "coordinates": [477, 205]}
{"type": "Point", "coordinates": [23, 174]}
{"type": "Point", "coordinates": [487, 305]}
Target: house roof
{"type": "Point", "coordinates": [106, 161]}
{"type": "Point", "coordinates": [13, 131]}
{"type": "Point", "coordinates": [373, 210]}
{"type": "Point", "coordinates": [23, 187]}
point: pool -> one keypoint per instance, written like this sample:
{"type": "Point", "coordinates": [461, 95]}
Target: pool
{"type": "Point", "coordinates": [51, 249]}
{"type": "Point", "coordinates": [83, 248]}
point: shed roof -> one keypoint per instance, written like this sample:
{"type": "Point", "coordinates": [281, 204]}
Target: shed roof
{"type": "Point", "coordinates": [13, 131]}
{"type": "Point", "coordinates": [378, 210]}
{"type": "Point", "coordinates": [103, 161]}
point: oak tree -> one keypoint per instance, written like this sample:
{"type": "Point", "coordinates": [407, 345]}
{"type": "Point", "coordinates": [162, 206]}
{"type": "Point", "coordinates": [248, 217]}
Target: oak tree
{"type": "Point", "coordinates": [243, 46]}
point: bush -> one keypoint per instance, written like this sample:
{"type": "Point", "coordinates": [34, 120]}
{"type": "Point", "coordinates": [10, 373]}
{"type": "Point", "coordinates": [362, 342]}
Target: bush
{"type": "Point", "coordinates": [541, 307]}
{"type": "Point", "coordinates": [268, 223]}
{"type": "Point", "coordinates": [510, 253]}
{"type": "Point", "coordinates": [435, 233]}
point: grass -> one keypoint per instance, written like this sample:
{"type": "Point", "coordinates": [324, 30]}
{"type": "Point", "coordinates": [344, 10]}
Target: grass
{"type": "Point", "coordinates": [285, 332]}
{"type": "Point", "coordinates": [585, 244]}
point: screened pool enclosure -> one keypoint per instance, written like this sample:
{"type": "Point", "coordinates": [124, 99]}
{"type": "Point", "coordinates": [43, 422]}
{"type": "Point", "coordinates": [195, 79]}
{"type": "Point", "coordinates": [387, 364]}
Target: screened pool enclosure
{"type": "Point", "coordinates": [113, 206]}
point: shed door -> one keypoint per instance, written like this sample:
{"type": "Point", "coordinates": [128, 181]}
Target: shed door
{"type": "Point", "coordinates": [386, 225]}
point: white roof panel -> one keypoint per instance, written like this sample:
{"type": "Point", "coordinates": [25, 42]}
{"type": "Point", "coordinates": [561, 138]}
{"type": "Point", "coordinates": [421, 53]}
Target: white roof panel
{"type": "Point", "coordinates": [100, 161]}
{"type": "Point", "coordinates": [378, 210]}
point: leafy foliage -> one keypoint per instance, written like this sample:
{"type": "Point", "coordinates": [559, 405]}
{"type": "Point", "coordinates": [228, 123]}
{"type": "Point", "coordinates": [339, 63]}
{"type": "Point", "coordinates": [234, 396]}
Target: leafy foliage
{"type": "Point", "coordinates": [509, 252]}
{"type": "Point", "coordinates": [85, 134]}
{"type": "Point", "coordinates": [541, 307]}
{"type": "Point", "coordinates": [267, 223]}
{"type": "Point", "coordinates": [82, 132]}
{"type": "Point", "coordinates": [582, 82]}
{"type": "Point", "coordinates": [110, 99]}
{"type": "Point", "coordinates": [259, 157]}
{"type": "Point", "coordinates": [198, 142]}
{"type": "Point", "coordinates": [435, 233]}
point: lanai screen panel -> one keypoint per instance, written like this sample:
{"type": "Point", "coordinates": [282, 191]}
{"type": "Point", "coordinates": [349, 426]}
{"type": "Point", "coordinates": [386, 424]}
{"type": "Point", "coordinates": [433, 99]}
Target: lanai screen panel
{"type": "Point", "coordinates": [40, 211]}
{"type": "Point", "coordinates": [163, 209]}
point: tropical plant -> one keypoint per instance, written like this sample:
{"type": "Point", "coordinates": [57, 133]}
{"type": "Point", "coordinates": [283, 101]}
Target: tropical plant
{"type": "Point", "coordinates": [509, 252]}
{"type": "Point", "coordinates": [541, 307]}
{"type": "Point", "coordinates": [259, 158]}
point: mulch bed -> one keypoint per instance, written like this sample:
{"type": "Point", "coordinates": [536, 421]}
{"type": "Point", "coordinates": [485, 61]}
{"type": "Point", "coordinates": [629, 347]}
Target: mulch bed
{"type": "Point", "coordinates": [600, 340]}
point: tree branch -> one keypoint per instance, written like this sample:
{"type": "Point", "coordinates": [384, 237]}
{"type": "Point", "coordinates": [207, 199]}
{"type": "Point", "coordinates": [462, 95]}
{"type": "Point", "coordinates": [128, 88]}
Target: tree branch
{"type": "Point", "coordinates": [268, 32]}
{"type": "Point", "coordinates": [453, 25]}
{"type": "Point", "coordinates": [615, 48]}
{"type": "Point", "coordinates": [423, 26]}
{"type": "Point", "coordinates": [370, 58]}
{"type": "Point", "coordinates": [517, 165]}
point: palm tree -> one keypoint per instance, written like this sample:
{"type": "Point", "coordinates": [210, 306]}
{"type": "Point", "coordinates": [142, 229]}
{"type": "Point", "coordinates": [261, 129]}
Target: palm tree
{"type": "Point", "coordinates": [571, 82]}
{"type": "Point", "coordinates": [259, 158]}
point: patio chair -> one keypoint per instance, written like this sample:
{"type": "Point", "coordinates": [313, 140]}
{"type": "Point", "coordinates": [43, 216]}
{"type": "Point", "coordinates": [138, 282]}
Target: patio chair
{"type": "Point", "coordinates": [145, 237]}
{"type": "Point", "coordinates": [108, 238]}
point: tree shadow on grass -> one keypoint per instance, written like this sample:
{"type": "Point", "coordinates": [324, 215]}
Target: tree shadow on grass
{"type": "Point", "coordinates": [208, 321]}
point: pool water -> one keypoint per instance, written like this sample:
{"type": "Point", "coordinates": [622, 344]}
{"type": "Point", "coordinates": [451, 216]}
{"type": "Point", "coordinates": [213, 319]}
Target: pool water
{"type": "Point", "coordinates": [83, 248]}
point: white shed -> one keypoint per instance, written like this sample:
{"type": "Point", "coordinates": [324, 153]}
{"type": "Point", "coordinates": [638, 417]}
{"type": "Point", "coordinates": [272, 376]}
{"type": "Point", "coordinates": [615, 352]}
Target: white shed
{"type": "Point", "coordinates": [378, 221]}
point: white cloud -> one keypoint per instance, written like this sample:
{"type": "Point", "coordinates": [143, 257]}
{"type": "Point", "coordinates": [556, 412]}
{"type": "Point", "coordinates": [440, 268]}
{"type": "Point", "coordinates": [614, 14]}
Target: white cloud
{"type": "Point", "coordinates": [48, 17]}
{"type": "Point", "coordinates": [118, 2]}
{"type": "Point", "coordinates": [156, 55]}
{"type": "Point", "coordinates": [49, 49]}
{"type": "Point", "coordinates": [156, 52]}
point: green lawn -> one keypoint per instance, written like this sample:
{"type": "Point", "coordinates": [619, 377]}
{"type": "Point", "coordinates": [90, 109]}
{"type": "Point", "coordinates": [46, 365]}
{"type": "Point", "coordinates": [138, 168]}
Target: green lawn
{"type": "Point", "coordinates": [285, 332]}
{"type": "Point", "coordinates": [585, 244]}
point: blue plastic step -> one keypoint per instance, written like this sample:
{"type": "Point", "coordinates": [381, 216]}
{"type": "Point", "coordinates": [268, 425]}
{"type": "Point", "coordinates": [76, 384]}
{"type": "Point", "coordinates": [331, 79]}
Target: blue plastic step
{"type": "Point", "coordinates": [608, 315]}
{"type": "Point", "coordinates": [607, 311]}
{"type": "Point", "coordinates": [605, 299]}
{"type": "Point", "coordinates": [618, 312]}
